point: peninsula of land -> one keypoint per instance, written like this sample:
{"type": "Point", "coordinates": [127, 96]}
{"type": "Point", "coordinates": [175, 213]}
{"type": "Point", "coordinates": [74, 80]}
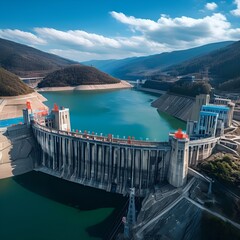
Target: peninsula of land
{"type": "Point", "coordinates": [79, 77]}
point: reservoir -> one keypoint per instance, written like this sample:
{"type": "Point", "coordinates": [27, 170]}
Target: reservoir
{"type": "Point", "coordinates": [38, 206]}
{"type": "Point", "coordinates": [121, 112]}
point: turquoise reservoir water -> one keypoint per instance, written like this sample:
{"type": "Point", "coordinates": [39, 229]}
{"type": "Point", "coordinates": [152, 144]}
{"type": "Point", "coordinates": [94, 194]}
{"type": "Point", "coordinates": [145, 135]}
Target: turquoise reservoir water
{"type": "Point", "coordinates": [123, 112]}
{"type": "Point", "coordinates": [11, 121]}
{"type": "Point", "coordinates": [41, 207]}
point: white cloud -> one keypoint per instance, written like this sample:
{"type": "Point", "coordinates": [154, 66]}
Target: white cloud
{"type": "Point", "coordinates": [211, 6]}
{"type": "Point", "coordinates": [236, 12]}
{"type": "Point", "coordinates": [77, 38]}
{"type": "Point", "coordinates": [78, 42]}
{"type": "Point", "coordinates": [22, 37]}
{"type": "Point", "coordinates": [147, 37]}
{"type": "Point", "coordinates": [78, 55]}
{"type": "Point", "coordinates": [181, 32]}
{"type": "Point", "coordinates": [136, 22]}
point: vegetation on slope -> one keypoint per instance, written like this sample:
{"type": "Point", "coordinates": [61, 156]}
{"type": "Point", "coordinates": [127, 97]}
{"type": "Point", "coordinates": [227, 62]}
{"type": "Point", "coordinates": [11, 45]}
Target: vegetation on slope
{"type": "Point", "coordinates": [20, 59]}
{"type": "Point", "coordinates": [158, 85]}
{"type": "Point", "coordinates": [233, 84]}
{"type": "Point", "coordinates": [76, 75]}
{"type": "Point", "coordinates": [141, 67]}
{"type": "Point", "coordinates": [225, 169]}
{"type": "Point", "coordinates": [223, 66]}
{"type": "Point", "coordinates": [11, 85]}
{"type": "Point", "coordinates": [191, 89]}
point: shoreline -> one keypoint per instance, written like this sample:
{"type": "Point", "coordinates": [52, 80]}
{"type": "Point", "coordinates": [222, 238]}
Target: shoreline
{"type": "Point", "coordinates": [11, 107]}
{"type": "Point", "coordinates": [122, 85]}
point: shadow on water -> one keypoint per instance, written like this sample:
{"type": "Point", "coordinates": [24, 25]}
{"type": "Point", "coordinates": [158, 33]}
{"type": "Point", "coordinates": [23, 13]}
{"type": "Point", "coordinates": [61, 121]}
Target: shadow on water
{"type": "Point", "coordinates": [79, 197]}
{"type": "Point", "coordinates": [101, 211]}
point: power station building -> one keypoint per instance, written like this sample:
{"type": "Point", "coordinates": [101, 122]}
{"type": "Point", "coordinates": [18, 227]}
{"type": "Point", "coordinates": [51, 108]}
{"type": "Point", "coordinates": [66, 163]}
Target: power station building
{"type": "Point", "coordinates": [212, 118]}
{"type": "Point", "coordinates": [222, 111]}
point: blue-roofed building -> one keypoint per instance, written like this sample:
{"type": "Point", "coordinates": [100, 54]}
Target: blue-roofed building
{"type": "Point", "coordinates": [209, 120]}
{"type": "Point", "coordinates": [222, 111]}
{"type": "Point", "coordinates": [207, 124]}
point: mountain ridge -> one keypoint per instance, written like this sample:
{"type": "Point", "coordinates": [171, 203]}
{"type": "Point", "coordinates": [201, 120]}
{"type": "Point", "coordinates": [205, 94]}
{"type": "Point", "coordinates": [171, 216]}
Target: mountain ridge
{"type": "Point", "coordinates": [223, 66]}
{"type": "Point", "coordinates": [141, 67]}
{"type": "Point", "coordinates": [28, 61]}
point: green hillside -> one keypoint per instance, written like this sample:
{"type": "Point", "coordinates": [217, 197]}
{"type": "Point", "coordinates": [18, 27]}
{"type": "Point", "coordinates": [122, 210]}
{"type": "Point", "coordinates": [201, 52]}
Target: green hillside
{"type": "Point", "coordinates": [11, 85]}
{"type": "Point", "coordinates": [223, 66]}
{"type": "Point", "coordinates": [27, 61]}
{"type": "Point", "coordinates": [191, 89]}
{"type": "Point", "coordinates": [141, 67]}
{"type": "Point", "coordinates": [76, 75]}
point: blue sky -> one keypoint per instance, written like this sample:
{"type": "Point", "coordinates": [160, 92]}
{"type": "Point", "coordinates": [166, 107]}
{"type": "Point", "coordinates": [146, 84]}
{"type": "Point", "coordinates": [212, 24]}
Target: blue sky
{"type": "Point", "coordinates": [107, 29]}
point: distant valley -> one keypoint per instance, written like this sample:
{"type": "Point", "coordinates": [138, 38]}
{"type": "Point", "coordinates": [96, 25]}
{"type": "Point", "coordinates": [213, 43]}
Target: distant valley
{"type": "Point", "coordinates": [143, 67]}
{"type": "Point", "coordinates": [222, 65]}
{"type": "Point", "coordinates": [220, 59]}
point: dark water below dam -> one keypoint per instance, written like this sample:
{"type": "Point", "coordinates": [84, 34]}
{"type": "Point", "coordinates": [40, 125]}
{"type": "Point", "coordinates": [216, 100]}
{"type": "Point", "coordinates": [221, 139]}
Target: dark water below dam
{"type": "Point", "coordinates": [38, 206]}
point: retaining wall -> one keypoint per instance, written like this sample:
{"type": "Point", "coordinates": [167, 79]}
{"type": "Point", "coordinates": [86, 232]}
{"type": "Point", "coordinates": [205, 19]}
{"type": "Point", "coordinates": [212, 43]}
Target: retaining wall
{"type": "Point", "coordinates": [175, 105]}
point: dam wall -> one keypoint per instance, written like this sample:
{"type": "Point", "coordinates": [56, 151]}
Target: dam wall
{"type": "Point", "coordinates": [175, 105]}
{"type": "Point", "coordinates": [18, 152]}
{"type": "Point", "coordinates": [116, 165]}
{"type": "Point", "coordinates": [110, 164]}
{"type": "Point", "coordinates": [201, 149]}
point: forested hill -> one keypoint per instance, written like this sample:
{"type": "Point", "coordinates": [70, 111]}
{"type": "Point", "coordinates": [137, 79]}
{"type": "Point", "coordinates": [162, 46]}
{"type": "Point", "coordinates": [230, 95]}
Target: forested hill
{"type": "Point", "coordinates": [11, 85]}
{"type": "Point", "coordinates": [140, 67]}
{"type": "Point", "coordinates": [223, 66]}
{"type": "Point", "coordinates": [77, 75]}
{"type": "Point", "coordinates": [27, 61]}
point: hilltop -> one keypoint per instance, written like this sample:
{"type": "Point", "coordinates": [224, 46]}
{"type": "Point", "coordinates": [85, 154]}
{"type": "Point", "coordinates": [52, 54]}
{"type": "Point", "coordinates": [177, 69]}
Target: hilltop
{"type": "Point", "coordinates": [27, 61]}
{"type": "Point", "coordinates": [76, 75]}
{"type": "Point", "coordinates": [11, 85]}
{"type": "Point", "coordinates": [141, 67]}
{"type": "Point", "coordinates": [223, 66]}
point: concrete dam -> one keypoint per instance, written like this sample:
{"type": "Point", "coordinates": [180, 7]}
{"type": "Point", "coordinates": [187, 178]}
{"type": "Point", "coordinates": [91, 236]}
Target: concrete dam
{"type": "Point", "coordinates": [110, 164]}
{"type": "Point", "coordinates": [116, 165]}
{"type": "Point", "coordinates": [175, 105]}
